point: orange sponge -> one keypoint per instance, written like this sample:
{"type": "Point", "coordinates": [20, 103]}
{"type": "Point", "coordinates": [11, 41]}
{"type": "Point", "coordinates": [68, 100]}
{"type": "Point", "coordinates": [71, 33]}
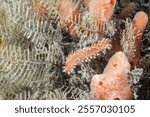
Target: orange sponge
{"type": "Point", "coordinates": [139, 23]}
{"type": "Point", "coordinates": [118, 64]}
{"type": "Point", "coordinates": [101, 9]}
{"type": "Point", "coordinates": [113, 84]}
{"type": "Point", "coordinates": [134, 44]}
{"type": "Point", "coordinates": [111, 87]}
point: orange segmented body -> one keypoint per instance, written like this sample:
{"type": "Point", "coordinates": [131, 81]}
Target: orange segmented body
{"type": "Point", "coordinates": [78, 56]}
